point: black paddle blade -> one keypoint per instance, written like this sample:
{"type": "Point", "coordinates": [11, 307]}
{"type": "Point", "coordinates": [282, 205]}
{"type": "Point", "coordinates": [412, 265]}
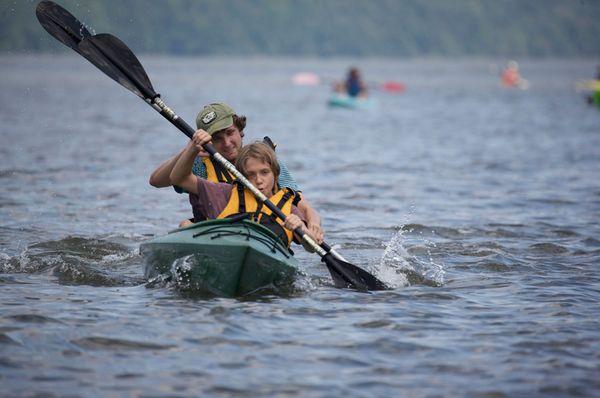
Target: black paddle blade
{"type": "Point", "coordinates": [61, 24]}
{"type": "Point", "coordinates": [345, 274]}
{"type": "Point", "coordinates": [118, 62]}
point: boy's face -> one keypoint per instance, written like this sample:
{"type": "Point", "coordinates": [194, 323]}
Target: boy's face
{"type": "Point", "coordinates": [259, 173]}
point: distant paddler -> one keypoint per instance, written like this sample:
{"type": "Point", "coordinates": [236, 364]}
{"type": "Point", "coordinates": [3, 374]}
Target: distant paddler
{"type": "Point", "coordinates": [353, 86]}
{"type": "Point", "coordinates": [594, 86]}
{"type": "Point", "coordinates": [511, 77]}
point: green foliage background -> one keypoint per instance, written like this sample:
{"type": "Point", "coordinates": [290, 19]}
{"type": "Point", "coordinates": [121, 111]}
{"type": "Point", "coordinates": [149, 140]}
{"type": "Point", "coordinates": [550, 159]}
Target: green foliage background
{"type": "Point", "coordinates": [325, 27]}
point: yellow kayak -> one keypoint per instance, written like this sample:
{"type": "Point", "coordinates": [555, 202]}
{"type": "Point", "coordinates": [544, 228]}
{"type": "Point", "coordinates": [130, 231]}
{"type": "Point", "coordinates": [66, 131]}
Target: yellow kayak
{"type": "Point", "coordinates": [588, 85]}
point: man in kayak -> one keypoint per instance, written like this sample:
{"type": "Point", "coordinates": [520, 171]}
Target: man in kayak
{"type": "Point", "coordinates": [258, 163]}
{"type": "Point", "coordinates": [227, 131]}
{"type": "Point", "coordinates": [353, 86]}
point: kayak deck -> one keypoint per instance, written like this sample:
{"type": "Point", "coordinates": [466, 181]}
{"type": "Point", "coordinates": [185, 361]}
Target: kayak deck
{"type": "Point", "coordinates": [346, 101]}
{"type": "Point", "coordinates": [221, 257]}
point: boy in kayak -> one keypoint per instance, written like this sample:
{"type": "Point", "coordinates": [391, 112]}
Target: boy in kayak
{"type": "Point", "coordinates": [227, 131]}
{"type": "Point", "coordinates": [258, 163]}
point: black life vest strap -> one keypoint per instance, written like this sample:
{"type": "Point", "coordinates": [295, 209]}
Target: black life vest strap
{"type": "Point", "coordinates": [222, 173]}
{"type": "Point", "coordinates": [286, 196]}
{"type": "Point", "coordinates": [241, 197]}
{"type": "Point", "coordinates": [297, 198]}
{"type": "Point", "coordinates": [257, 216]}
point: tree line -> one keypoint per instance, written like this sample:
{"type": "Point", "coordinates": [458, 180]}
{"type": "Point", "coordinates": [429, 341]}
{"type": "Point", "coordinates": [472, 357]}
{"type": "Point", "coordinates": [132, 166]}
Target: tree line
{"type": "Point", "coordinates": [388, 28]}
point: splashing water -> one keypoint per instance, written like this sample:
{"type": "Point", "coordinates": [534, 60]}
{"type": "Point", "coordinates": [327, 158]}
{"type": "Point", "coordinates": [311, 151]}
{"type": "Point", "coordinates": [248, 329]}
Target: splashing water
{"type": "Point", "coordinates": [181, 269]}
{"type": "Point", "coordinates": [393, 262]}
{"type": "Point", "coordinates": [398, 267]}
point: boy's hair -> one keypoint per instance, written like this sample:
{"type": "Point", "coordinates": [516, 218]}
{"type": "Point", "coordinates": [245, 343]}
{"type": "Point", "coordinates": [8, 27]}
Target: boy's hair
{"type": "Point", "coordinates": [260, 151]}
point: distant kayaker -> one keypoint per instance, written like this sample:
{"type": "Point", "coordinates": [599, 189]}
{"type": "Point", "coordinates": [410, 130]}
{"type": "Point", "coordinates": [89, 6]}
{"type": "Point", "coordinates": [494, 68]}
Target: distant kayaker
{"type": "Point", "coordinates": [258, 163]}
{"type": "Point", "coordinates": [594, 86]}
{"type": "Point", "coordinates": [511, 77]}
{"type": "Point", "coordinates": [227, 131]}
{"type": "Point", "coordinates": [353, 86]}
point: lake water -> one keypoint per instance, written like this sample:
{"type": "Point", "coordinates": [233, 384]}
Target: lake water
{"type": "Point", "coordinates": [478, 204]}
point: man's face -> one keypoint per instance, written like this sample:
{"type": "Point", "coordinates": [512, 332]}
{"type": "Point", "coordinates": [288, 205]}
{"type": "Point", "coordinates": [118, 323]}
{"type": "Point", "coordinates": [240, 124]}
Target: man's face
{"type": "Point", "coordinates": [228, 142]}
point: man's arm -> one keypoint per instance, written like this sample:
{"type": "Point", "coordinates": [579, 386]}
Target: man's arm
{"type": "Point", "coordinates": [160, 177]}
{"type": "Point", "coordinates": [313, 220]}
{"type": "Point", "coordinates": [181, 173]}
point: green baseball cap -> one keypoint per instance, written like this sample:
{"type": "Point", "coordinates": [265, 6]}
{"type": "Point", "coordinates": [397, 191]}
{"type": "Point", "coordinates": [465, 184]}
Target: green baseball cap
{"type": "Point", "coordinates": [215, 117]}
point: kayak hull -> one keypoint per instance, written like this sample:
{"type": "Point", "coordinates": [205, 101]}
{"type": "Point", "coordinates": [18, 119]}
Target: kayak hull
{"type": "Point", "coordinates": [346, 101]}
{"type": "Point", "coordinates": [221, 257]}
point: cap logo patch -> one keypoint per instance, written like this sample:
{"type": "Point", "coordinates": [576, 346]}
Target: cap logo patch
{"type": "Point", "coordinates": [209, 117]}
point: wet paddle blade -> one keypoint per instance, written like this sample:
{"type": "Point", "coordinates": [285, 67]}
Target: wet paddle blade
{"type": "Point", "coordinates": [345, 274]}
{"type": "Point", "coordinates": [105, 51]}
{"type": "Point", "coordinates": [61, 24]}
{"type": "Point", "coordinates": [117, 61]}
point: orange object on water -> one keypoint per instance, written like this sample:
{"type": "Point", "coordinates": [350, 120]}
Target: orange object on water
{"type": "Point", "coordinates": [393, 87]}
{"type": "Point", "coordinates": [510, 77]}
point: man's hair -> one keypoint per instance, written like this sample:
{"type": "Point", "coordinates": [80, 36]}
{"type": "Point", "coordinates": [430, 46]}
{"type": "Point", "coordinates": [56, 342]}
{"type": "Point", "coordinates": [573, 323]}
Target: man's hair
{"type": "Point", "coordinates": [239, 122]}
{"type": "Point", "coordinates": [260, 151]}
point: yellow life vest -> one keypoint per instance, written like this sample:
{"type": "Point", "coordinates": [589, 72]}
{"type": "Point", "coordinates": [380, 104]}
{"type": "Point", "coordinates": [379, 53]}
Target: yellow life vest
{"type": "Point", "coordinates": [242, 201]}
{"type": "Point", "coordinates": [217, 173]}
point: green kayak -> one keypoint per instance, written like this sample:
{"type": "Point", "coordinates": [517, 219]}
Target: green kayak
{"type": "Point", "coordinates": [223, 257]}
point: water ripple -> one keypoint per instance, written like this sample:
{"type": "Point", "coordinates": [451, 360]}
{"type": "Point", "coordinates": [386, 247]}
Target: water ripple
{"type": "Point", "coordinates": [106, 343]}
{"type": "Point", "coordinates": [548, 248]}
{"type": "Point", "coordinates": [478, 205]}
